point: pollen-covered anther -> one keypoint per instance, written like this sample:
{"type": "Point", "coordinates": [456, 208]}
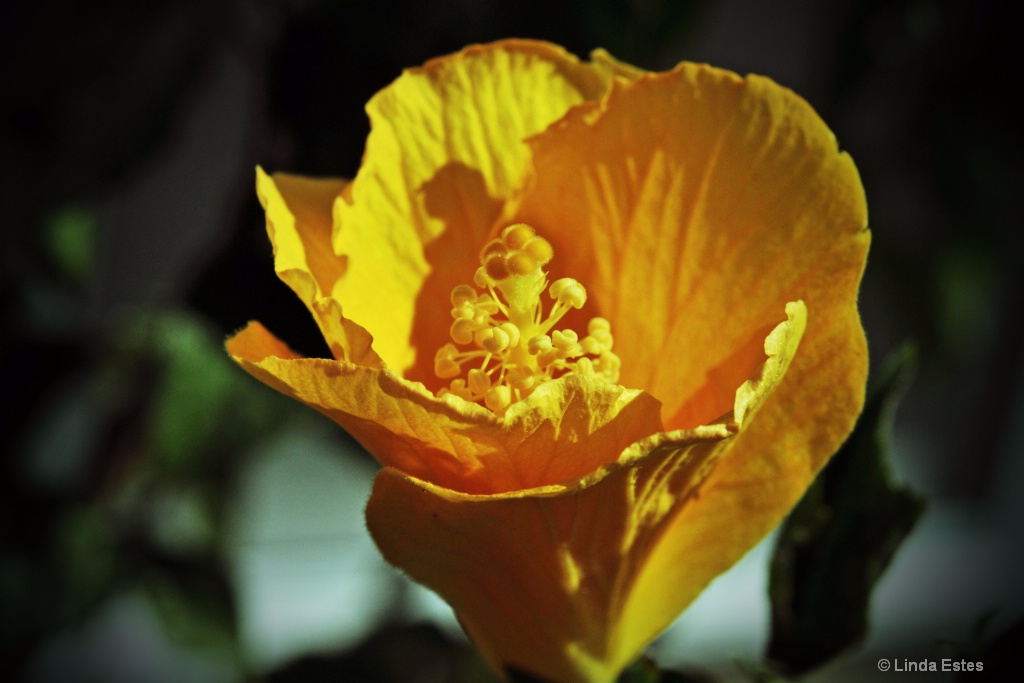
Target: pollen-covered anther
{"type": "Point", "coordinates": [538, 344]}
{"type": "Point", "coordinates": [540, 249]}
{"type": "Point", "coordinates": [479, 381]}
{"type": "Point", "coordinates": [584, 366]}
{"type": "Point", "coordinates": [517, 235]}
{"type": "Point", "coordinates": [519, 251]}
{"type": "Point", "coordinates": [462, 330]}
{"type": "Point", "coordinates": [599, 339]}
{"type": "Point", "coordinates": [513, 344]}
{"type": "Point", "coordinates": [445, 364]}
{"type": "Point", "coordinates": [493, 339]}
{"type": "Point", "coordinates": [568, 292]}
{"type": "Point", "coordinates": [600, 329]}
{"type": "Point", "coordinates": [463, 294]}
{"type": "Point", "coordinates": [521, 263]}
{"type": "Point", "coordinates": [608, 366]}
{"type": "Point", "coordinates": [498, 398]}
{"type": "Point", "coordinates": [459, 388]}
{"type": "Point", "coordinates": [514, 335]}
{"type": "Point", "coordinates": [493, 248]}
{"type": "Point", "coordinates": [564, 340]}
{"type": "Point", "coordinates": [481, 279]}
{"type": "Point", "coordinates": [496, 266]}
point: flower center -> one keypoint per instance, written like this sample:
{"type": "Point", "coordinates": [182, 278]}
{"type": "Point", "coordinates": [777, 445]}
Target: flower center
{"type": "Point", "coordinates": [513, 346]}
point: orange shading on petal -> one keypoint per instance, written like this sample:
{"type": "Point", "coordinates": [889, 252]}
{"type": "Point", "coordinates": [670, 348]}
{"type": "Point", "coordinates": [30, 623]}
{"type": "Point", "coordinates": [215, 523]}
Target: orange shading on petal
{"type": "Point", "coordinates": [706, 534]}
{"type": "Point", "coordinates": [566, 429]}
{"type": "Point", "coordinates": [537, 576]}
{"type": "Point", "coordinates": [554, 580]}
{"type": "Point", "coordinates": [694, 204]}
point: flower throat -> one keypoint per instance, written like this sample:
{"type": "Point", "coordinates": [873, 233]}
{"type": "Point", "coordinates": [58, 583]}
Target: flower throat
{"type": "Point", "coordinates": [513, 347]}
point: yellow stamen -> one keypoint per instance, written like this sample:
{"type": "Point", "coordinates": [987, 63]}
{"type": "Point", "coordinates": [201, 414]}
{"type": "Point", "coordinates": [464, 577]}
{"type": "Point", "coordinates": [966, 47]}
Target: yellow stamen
{"type": "Point", "coordinates": [507, 328]}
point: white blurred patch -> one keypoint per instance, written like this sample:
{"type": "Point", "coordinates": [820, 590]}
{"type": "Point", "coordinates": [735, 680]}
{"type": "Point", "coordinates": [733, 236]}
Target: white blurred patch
{"type": "Point", "coordinates": [423, 604]}
{"type": "Point", "coordinates": [727, 623]}
{"type": "Point", "coordinates": [307, 575]}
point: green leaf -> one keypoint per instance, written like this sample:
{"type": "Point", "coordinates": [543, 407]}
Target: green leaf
{"type": "Point", "coordinates": [202, 405]}
{"type": "Point", "coordinates": [72, 236]}
{"type": "Point", "coordinates": [642, 670]}
{"type": "Point", "coordinates": [841, 537]}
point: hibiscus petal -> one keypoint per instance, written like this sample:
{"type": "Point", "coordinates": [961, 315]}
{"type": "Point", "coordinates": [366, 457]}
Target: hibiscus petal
{"type": "Point", "coordinates": [537, 576]}
{"type": "Point", "coordinates": [754, 482]}
{"type": "Point", "coordinates": [613, 67]}
{"type": "Point", "coordinates": [587, 544]}
{"type": "Point", "coordinates": [566, 428]}
{"type": "Point", "coordinates": [445, 153]}
{"type": "Point", "coordinates": [299, 226]}
{"type": "Point", "coordinates": [693, 205]}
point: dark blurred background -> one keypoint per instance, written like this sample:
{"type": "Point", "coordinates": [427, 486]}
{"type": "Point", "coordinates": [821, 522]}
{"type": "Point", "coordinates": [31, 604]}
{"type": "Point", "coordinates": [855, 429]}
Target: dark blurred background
{"type": "Point", "coordinates": [165, 517]}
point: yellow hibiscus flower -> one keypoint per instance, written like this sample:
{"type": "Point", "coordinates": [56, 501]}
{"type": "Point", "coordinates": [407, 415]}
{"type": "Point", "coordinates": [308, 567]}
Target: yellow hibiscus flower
{"type": "Point", "coordinates": [598, 325]}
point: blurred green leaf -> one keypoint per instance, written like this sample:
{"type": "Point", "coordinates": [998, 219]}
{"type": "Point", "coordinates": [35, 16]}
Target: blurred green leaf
{"type": "Point", "coordinates": [841, 537]}
{"type": "Point", "coordinates": [85, 549]}
{"type": "Point", "coordinates": [197, 389]}
{"type": "Point", "coordinates": [645, 671]}
{"type": "Point", "coordinates": [689, 676]}
{"type": "Point", "coordinates": [182, 520]}
{"type": "Point", "coordinates": [195, 607]}
{"type": "Point", "coordinates": [72, 236]}
{"type": "Point", "coordinates": [203, 403]}
{"type": "Point", "coordinates": [641, 671]}
{"type": "Point", "coordinates": [761, 672]}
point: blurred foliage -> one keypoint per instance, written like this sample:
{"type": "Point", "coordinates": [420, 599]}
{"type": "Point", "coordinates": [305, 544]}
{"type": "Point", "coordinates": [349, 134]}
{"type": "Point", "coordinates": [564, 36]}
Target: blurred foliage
{"type": "Point", "coordinates": [124, 478]}
{"type": "Point", "coordinates": [120, 463]}
{"type": "Point", "coordinates": [202, 400]}
{"type": "Point", "coordinates": [919, 99]}
{"type": "Point", "coordinates": [842, 536]}
{"type": "Point", "coordinates": [72, 242]}
{"type": "Point", "coordinates": [646, 671]}
{"type": "Point", "coordinates": [417, 654]}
